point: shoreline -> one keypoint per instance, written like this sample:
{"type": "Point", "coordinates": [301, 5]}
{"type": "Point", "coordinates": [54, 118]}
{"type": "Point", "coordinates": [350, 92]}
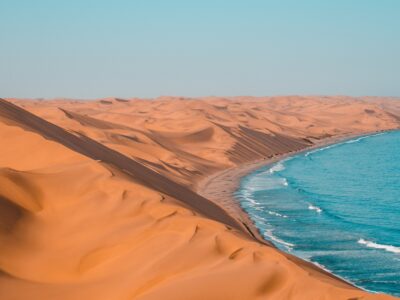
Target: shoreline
{"type": "Point", "coordinates": [221, 186]}
{"type": "Point", "coordinates": [122, 178]}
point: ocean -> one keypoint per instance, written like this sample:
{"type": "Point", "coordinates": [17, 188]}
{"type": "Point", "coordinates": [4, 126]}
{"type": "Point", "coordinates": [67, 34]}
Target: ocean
{"type": "Point", "coordinates": [337, 206]}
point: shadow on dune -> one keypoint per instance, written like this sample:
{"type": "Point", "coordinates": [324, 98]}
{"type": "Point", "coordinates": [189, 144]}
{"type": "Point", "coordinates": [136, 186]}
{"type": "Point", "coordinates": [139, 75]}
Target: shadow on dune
{"type": "Point", "coordinates": [249, 144]}
{"type": "Point", "coordinates": [140, 173]}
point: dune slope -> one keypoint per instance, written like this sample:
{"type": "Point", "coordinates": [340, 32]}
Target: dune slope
{"type": "Point", "coordinates": [97, 198]}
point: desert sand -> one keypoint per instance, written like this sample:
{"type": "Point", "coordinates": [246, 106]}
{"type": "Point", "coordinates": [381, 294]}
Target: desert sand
{"type": "Point", "coordinates": [107, 199]}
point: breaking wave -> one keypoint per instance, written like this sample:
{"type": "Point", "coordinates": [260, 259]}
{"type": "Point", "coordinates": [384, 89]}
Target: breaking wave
{"type": "Point", "coordinates": [374, 245]}
{"type": "Point", "coordinates": [362, 138]}
{"type": "Point", "coordinates": [314, 207]}
{"type": "Point", "coordinates": [346, 142]}
{"type": "Point", "coordinates": [273, 213]}
{"type": "Point", "coordinates": [320, 149]}
{"type": "Point", "coordinates": [268, 233]}
{"type": "Point", "coordinates": [277, 168]}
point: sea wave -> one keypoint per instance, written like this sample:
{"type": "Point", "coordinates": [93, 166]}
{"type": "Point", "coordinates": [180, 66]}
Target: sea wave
{"type": "Point", "coordinates": [321, 266]}
{"type": "Point", "coordinates": [314, 207]}
{"type": "Point", "coordinates": [273, 213]}
{"type": "Point", "coordinates": [338, 144]}
{"type": "Point", "coordinates": [260, 183]}
{"type": "Point", "coordinates": [259, 219]}
{"type": "Point", "coordinates": [252, 201]}
{"type": "Point", "coordinates": [277, 167]}
{"type": "Point", "coordinates": [374, 245]}
{"type": "Point", "coordinates": [362, 138]}
{"type": "Point", "coordinates": [268, 233]}
{"type": "Point", "coordinates": [355, 140]}
{"type": "Point", "coordinates": [320, 149]}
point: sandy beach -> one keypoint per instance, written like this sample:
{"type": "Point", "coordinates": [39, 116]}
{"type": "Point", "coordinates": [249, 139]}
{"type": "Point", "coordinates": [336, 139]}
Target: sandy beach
{"type": "Point", "coordinates": [221, 186]}
{"type": "Point", "coordinates": [132, 198]}
{"type": "Point", "coordinates": [200, 150]}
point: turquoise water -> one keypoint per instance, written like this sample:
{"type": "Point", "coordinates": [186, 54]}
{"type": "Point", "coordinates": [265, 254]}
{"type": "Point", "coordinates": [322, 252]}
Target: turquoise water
{"type": "Point", "coordinates": [337, 206]}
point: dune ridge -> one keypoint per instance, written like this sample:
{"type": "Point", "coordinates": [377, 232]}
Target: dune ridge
{"type": "Point", "coordinates": [96, 151]}
{"type": "Point", "coordinates": [98, 198]}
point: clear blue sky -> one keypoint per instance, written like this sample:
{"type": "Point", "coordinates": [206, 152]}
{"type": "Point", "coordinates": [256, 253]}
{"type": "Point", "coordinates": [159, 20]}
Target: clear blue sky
{"type": "Point", "coordinates": [147, 48]}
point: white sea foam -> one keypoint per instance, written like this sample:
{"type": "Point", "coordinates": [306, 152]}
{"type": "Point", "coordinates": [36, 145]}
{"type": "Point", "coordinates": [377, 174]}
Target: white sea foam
{"type": "Point", "coordinates": [252, 201]}
{"type": "Point", "coordinates": [314, 207]}
{"type": "Point", "coordinates": [320, 265]}
{"type": "Point", "coordinates": [260, 183]}
{"type": "Point", "coordinates": [347, 142]}
{"type": "Point", "coordinates": [388, 248]}
{"type": "Point", "coordinates": [320, 149]}
{"type": "Point", "coordinates": [273, 238]}
{"type": "Point", "coordinates": [277, 168]}
{"type": "Point", "coordinates": [273, 213]}
{"type": "Point", "coordinates": [309, 257]}
{"type": "Point", "coordinates": [362, 138]}
{"type": "Point", "coordinates": [355, 141]}
{"type": "Point", "coordinates": [259, 219]}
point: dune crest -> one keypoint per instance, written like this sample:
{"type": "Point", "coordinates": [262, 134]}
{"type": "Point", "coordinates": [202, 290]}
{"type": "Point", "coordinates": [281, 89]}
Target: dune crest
{"type": "Point", "coordinates": [98, 198]}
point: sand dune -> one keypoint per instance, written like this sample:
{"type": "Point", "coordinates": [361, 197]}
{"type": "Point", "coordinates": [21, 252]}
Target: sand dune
{"type": "Point", "coordinates": [98, 198]}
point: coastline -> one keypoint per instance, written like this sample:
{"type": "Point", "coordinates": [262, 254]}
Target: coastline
{"type": "Point", "coordinates": [221, 186]}
{"type": "Point", "coordinates": [123, 184]}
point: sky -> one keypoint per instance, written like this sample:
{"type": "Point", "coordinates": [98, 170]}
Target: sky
{"type": "Point", "coordinates": [150, 48]}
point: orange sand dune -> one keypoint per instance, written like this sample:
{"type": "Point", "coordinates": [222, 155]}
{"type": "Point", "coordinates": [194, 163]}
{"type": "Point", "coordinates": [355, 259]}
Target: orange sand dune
{"type": "Point", "coordinates": [98, 198]}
